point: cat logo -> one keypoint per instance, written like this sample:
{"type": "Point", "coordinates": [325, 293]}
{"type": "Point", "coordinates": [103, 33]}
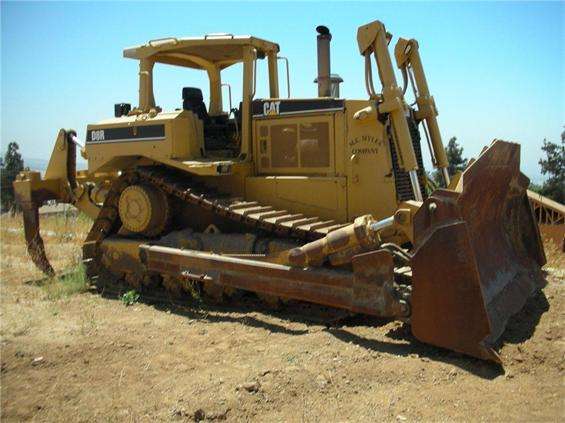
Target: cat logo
{"type": "Point", "coordinates": [271, 108]}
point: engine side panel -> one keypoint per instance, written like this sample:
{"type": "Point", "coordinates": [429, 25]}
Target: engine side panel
{"type": "Point", "coordinates": [324, 197]}
{"type": "Point", "coordinates": [370, 179]}
{"type": "Point", "coordinates": [115, 143]}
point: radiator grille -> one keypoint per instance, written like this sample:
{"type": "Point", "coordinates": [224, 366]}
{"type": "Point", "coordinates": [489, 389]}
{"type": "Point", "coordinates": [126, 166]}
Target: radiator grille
{"type": "Point", "coordinates": [401, 178]}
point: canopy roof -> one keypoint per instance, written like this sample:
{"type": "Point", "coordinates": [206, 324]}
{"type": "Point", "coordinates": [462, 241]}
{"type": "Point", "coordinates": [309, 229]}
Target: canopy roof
{"type": "Point", "coordinates": [218, 50]}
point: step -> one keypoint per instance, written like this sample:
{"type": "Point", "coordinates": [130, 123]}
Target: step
{"type": "Point", "coordinates": [259, 209]}
{"type": "Point", "coordinates": [243, 205]}
{"type": "Point", "coordinates": [320, 225]}
{"type": "Point", "coordinates": [287, 218]}
{"type": "Point", "coordinates": [301, 222]}
{"type": "Point", "coordinates": [270, 214]}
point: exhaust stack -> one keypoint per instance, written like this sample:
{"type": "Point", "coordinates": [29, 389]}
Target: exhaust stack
{"type": "Point", "coordinates": [324, 71]}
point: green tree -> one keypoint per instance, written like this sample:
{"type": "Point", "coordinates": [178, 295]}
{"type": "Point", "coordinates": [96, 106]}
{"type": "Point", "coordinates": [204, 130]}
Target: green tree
{"type": "Point", "coordinates": [10, 166]}
{"type": "Point", "coordinates": [535, 187]}
{"type": "Point", "coordinates": [553, 165]}
{"type": "Point", "coordinates": [457, 163]}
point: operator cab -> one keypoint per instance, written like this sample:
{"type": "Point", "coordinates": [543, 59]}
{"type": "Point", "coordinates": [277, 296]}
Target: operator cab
{"type": "Point", "coordinates": [225, 134]}
{"type": "Point", "coordinates": [221, 133]}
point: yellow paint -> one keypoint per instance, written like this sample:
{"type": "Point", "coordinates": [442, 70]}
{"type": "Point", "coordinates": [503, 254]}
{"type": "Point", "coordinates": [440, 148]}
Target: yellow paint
{"type": "Point", "coordinates": [324, 197]}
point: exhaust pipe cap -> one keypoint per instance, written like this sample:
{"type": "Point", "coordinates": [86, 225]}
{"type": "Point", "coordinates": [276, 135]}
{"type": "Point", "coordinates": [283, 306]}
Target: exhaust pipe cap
{"type": "Point", "coordinates": [323, 30]}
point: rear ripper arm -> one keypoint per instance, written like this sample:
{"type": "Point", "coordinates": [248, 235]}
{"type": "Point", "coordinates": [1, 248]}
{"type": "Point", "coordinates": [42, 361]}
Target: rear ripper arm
{"type": "Point", "coordinates": [61, 183]}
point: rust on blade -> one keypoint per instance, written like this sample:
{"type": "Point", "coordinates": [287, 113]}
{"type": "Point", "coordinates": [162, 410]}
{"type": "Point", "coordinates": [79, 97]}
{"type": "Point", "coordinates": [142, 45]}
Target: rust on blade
{"type": "Point", "coordinates": [478, 255]}
{"type": "Point", "coordinates": [504, 234]}
{"type": "Point", "coordinates": [447, 302]}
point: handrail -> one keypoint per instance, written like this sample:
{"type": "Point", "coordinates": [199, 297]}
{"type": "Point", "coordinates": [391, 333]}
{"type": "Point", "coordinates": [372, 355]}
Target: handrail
{"type": "Point", "coordinates": [254, 73]}
{"type": "Point", "coordinates": [219, 35]}
{"type": "Point", "coordinates": [231, 110]}
{"type": "Point", "coordinates": [287, 74]}
{"type": "Point", "coordinates": [225, 84]}
{"type": "Point", "coordinates": [162, 40]}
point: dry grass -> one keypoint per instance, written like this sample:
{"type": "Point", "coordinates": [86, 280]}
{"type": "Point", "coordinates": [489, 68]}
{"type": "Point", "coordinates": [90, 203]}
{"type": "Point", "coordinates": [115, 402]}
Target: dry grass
{"type": "Point", "coordinates": [72, 282]}
{"type": "Point", "coordinates": [63, 235]}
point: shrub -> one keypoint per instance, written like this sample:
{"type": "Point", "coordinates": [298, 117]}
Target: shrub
{"type": "Point", "coordinates": [70, 283]}
{"type": "Point", "coordinates": [130, 297]}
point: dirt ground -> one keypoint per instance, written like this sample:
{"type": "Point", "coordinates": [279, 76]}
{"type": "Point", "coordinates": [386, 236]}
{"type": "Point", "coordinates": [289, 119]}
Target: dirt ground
{"type": "Point", "coordinates": [81, 356]}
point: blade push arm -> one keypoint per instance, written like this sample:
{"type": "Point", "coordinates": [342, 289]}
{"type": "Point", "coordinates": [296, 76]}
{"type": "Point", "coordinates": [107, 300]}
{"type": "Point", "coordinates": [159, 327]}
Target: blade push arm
{"type": "Point", "coordinates": [373, 39]}
{"type": "Point", "coordinates": [409, 62]}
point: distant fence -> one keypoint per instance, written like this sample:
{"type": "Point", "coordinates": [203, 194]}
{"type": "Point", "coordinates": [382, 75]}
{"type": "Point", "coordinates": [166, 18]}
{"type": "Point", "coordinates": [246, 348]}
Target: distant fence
{"type": "Point", "coordinates": [52, 207]}
{"type": "Point", "coordinates": [550, 216]}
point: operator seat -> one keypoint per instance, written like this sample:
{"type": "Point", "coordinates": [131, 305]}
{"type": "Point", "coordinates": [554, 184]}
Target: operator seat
{"type": "Point", "coordinates": [218, 131]}
{"type": "Point", "coordinates": [193, 100]}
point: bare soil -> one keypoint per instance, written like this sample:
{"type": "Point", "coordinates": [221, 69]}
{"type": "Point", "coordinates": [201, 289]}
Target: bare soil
{"type": "Point", "coordinates": [88, 357]}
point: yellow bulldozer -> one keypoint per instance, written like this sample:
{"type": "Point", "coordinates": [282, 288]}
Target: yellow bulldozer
{"type": "Point", "coordinates": [320, 199]}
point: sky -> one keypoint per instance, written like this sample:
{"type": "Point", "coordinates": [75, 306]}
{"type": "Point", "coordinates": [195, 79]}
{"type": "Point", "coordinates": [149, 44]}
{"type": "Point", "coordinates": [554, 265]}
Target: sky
{"type": "Point", "coordinates": [495, 69]}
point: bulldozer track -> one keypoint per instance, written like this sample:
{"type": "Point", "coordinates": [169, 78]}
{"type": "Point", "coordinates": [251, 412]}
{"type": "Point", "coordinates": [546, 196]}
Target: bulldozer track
{"type": "Point", "coordinates": [252, 214]}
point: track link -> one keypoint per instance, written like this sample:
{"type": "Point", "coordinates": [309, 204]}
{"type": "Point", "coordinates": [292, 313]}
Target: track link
{"type": "Point", "coordinates": [250, 213]}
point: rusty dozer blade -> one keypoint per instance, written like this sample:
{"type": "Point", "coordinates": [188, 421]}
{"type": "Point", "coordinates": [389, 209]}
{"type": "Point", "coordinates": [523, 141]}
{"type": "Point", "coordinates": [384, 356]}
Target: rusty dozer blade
{"type": "Point", "coordinates": [478, 255]}
{"type": "Point", "coordinates": [34, 242]}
